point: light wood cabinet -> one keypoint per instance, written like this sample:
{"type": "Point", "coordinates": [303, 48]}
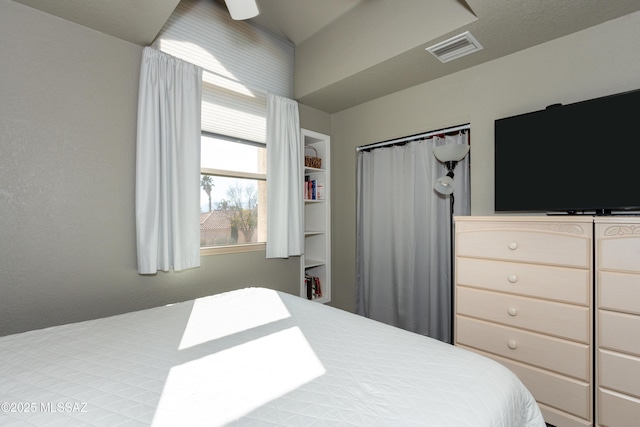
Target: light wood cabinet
{"type": "Point", "coordinates": [523, 296]}
{"type": "Point", "coordinates": [617, 321]}
{"type": "Point", "coordinates": [316, 260]}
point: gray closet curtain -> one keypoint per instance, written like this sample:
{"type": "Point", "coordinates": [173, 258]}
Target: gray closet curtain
{"type": "Point", "coordinates": [403, 235]}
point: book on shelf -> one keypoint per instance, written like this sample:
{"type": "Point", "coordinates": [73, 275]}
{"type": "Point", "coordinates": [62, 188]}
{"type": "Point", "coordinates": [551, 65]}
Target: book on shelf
{"type": "Point", "coordinates": [313, 190]}
{"type": "Point", "coordinates": [314, 288]}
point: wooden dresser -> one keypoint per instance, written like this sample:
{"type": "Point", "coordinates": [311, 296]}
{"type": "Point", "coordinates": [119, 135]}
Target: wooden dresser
{"type": "Point", "coordinates": [618, 321]}
{"type": "Point", "coordinates": [523, 296]}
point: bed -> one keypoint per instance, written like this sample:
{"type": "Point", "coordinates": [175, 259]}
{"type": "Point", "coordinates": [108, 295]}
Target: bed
{"type": "Point", "coordinates": [252, 357]}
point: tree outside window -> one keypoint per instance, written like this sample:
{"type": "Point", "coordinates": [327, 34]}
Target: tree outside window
{"type": "Point", "coordinates": [233, 201]}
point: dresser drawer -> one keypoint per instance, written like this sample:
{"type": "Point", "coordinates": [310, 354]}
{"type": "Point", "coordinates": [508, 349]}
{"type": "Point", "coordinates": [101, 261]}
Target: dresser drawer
{"type": "Point", "coordinates": [558, 283]}
{"type": "Point", "coordinates": [617, 410]}
{"type": "Point", "coordinates": [535, 246]}
{"type": "Point", "coordinates": [619, 372]}
{"type": "Point", "coordinates": [561, 356]}
{"type": "Point", "coordinates": [553, 318]}
{"type": "Point", "coordinates": [619, 291]}
{"type": "Point", "coordinates": [619, 247]}
{"type": "Point", "coordinates": [557, 391]}
{"type": "Point", "coordinates": [555, 417]}
{"type": "Point", "coordinates": [619, 332]}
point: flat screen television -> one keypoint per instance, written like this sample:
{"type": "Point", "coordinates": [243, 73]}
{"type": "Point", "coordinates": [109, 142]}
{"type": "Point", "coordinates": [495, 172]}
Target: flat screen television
{"type": "Point", "coordinates": [576, 158]}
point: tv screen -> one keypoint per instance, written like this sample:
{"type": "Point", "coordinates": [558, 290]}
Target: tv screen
{"type": "Point", "coordinates": [576, 158]}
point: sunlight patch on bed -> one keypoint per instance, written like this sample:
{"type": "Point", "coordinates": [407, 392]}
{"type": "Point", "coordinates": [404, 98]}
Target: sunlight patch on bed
{"type": "Point", "coordinates": [224, 386]}
{"type": "Point", "coordinates": [210, 321]}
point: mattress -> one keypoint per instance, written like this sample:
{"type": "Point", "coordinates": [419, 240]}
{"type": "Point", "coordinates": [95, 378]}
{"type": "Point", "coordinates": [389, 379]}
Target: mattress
{"type": "Point", "coordinates": [252, 357]}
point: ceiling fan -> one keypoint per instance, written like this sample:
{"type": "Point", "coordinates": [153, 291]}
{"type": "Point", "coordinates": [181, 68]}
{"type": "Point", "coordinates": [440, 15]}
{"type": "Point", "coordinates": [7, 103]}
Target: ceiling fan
{"type": "Point", "coordinates": [242, 9]}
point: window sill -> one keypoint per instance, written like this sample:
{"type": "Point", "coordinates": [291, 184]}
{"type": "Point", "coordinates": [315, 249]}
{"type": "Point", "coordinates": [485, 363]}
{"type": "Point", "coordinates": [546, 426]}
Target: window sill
{"type": "Point", "coordinates": [235, 249]}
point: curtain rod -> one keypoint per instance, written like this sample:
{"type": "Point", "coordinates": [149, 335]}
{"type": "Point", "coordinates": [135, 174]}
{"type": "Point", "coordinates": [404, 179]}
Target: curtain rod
{"type": "Point", "coordinates": [413, 137]}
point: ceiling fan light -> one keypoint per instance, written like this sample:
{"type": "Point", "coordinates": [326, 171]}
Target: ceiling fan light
{"type": "Point", "coordinates": [242, 9]}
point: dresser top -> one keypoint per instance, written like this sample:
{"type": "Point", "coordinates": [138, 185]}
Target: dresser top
{"type": "Point", "coordinates": [527, 218]}
{"type": "Point", "coordinates": [617, 219]}
{"type": "Point", "coordinates": [611, 219]}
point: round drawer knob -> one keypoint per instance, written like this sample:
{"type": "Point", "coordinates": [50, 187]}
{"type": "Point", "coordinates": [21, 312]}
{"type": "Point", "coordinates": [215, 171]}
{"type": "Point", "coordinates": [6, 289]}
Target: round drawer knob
{"type": "Point", "coordinates": [513, 246]}
{"type": "Point", "coordinates": [512, 312]}
{"type": "Point", "coordinates": [512, 278]}
{"type": "Point", "coordinates": [512, 344]}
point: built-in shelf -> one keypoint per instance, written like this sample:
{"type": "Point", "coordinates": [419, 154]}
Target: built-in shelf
{"type": "Point", "coordinates": [312, 263]}
{"type": "Point", "coordinates": [316, 260]}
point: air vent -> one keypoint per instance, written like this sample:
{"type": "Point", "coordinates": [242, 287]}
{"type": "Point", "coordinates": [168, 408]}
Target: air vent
{"type": "Point", "coordinates": [455, 47]}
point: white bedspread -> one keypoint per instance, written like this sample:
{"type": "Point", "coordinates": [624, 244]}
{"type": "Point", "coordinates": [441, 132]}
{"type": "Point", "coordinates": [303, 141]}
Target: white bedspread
{"type": "Point", "coordinates": [251, 357]}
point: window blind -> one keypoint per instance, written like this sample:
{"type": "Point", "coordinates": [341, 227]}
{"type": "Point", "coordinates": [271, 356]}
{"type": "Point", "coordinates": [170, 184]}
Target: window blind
{"type": "Point", "coordinates": [242, 63]}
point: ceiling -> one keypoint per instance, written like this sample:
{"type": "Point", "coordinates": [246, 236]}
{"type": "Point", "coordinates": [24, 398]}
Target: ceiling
{"type": "Point", "coordinates": [352, 51]}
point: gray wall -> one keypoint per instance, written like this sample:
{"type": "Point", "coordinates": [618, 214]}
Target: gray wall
{"type": "Point", "coordinates": [596, 62]}
{"type": "Point", "coordinates": [315, 120]}
{"type": "Point", "coordinates": [68, 101]}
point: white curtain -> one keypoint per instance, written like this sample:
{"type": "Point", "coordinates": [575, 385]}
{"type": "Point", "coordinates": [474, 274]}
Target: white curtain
{"type": "Point", "coordinates": [284, 178]}
{"type": "Point", "coordinates": [168, 164]}
{"type": "Point", "coordinates": [403, 235]}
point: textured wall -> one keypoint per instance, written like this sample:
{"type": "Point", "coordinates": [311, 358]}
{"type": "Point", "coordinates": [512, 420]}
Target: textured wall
{"type": "Point", "coordinates": [591, 63]}
{"type": "Point", "coordinates": [68, 101]}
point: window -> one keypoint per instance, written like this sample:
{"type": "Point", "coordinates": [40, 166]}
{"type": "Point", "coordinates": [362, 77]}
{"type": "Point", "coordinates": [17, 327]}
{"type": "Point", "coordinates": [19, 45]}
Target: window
{"type": "Point", "coordinates": [241, 63]}
{"type": "Point", "coordinates": [233, 167]}
{"type": "Point", "coordinates": [233, 192]}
